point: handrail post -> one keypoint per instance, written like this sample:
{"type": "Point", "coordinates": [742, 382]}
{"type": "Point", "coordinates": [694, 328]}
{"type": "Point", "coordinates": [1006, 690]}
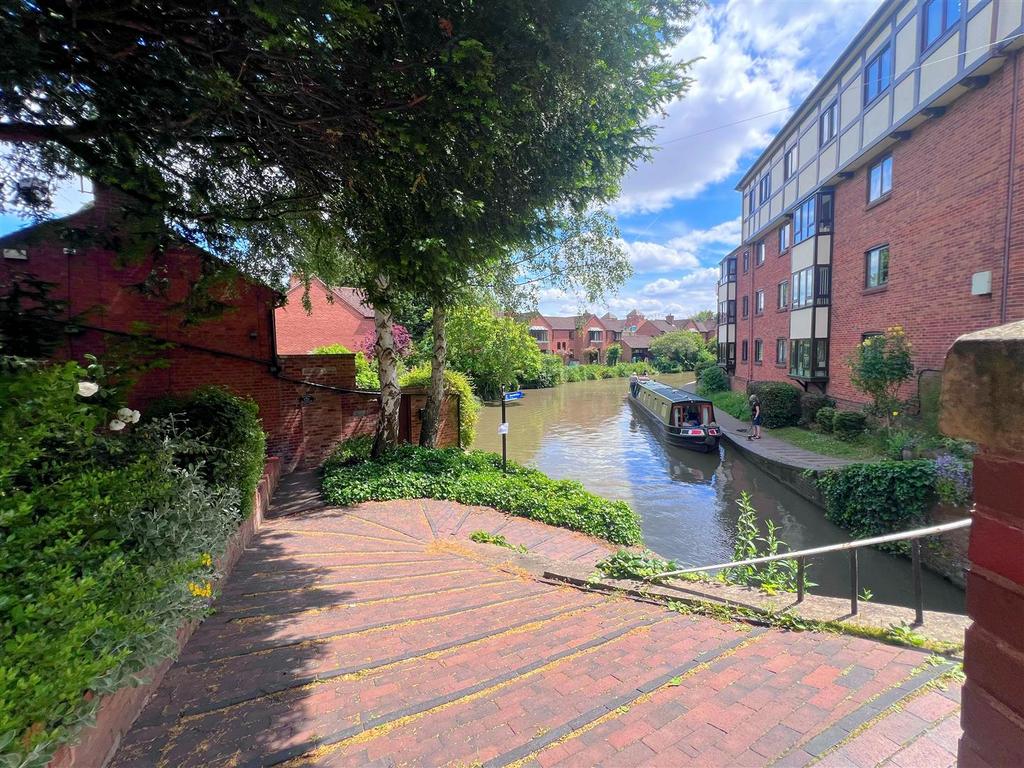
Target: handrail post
{"type": "Point", "coordinates": [854, 582]}
{"type": "Point", "coordinates": [800, 579]}
{"type": "Point", "coordinates": [915, 561]}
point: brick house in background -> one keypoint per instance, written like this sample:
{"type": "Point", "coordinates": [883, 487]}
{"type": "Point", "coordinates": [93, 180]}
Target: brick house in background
{"type": "Point", "coordinates": [307, 403]}
{"type": "Point", "coordinates": [337, 316]}
{"type": "Point", "coordinates": [893, 196]}
{"type": "Point", "coordinates": [554, 335]}
{"type": "Point", "coordinates": [635, 347]}
{"type": "Point", "coordinates": [595, 335]}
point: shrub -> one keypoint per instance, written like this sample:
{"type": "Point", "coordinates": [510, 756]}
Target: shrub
{"type": "Point", "coordinates": [874, 499]}
{"type": "Point", "coordinates": [825, 418]}
{"type": "Point", "coordinates": [849, 425]}
{"type": "Point", "coordinates": [551, 374]}
{"type": "Point", "coordinates": [703, 365]}
{"type": "Point", "coordinates": [640, 566]}
{"type": "Point", "coordinates": [810, 404]}
{"type": "Point", "coordinates": [331, 349]}
{"type": "Point", "coordinates": [475, 477]}
{"type": "Point", "coordinates": [107, 545]}
{"type": "Point", "coordinates": [712, 380]}
{"type": "Point", "coordinates": [229, 433]}
{"type": "Point", "coordinates": [780, 403]}
{"type": "Point", "coordinates": [612, 354]}
{"type": "Point", "coordinates": [736, 404]}
{"type": "Point", "coordinates": [953, 482]}
{"type": "Point", "coordinates": [457, 383]}
{"type": "Point", "coordinates": [879, 366]}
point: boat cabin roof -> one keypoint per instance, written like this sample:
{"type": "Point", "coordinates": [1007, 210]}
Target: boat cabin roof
{"type": "Point", "coordinates": [672, 394]}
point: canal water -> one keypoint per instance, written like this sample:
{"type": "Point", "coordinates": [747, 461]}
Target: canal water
{"type": "Point", "coordinates": [588, 431]}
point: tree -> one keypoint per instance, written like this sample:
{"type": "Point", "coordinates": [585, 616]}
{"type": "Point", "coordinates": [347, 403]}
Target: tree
{"type": "Point", "coordinates": [677, 350]}
{"type": "Point", "coordinates": [494, 351]}
{"type": "Point", "coordinates": [879, 367]}
{"type": "Point", "coordinates": [704, 314]}
{"type": "Point", "coordinates": [612, 354]}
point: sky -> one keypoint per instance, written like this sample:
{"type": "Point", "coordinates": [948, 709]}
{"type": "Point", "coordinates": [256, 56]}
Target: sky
{"type": "Point", "coordinates": [678, 213]}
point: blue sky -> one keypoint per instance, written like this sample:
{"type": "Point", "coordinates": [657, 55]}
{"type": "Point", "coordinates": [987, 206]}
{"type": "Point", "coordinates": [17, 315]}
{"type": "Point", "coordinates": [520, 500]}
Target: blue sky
{"type": "Point", "coordinates": [678, 213]}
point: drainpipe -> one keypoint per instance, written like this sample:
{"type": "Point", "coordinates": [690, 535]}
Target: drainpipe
{"type": "Point", "coordinates": [1005, 289]}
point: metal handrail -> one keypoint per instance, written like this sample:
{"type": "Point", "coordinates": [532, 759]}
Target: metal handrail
{"type": "Point", "coordinates": [849, 546]}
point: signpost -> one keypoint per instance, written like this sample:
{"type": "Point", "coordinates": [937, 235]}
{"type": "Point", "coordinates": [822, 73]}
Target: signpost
{"type": "Point", "coordinates": [503, 427]}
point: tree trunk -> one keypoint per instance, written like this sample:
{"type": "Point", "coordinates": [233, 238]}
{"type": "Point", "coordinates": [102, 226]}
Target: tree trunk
{"type": "Point", "coordinates": [390, 395]}
{"type": "Point", "coordinates": [431, 428]}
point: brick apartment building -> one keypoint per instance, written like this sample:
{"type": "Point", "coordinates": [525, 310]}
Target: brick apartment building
{"type": "Point", "coordinates": [893, 196]}
{"type": "Point", "coordinates": [336, 316]}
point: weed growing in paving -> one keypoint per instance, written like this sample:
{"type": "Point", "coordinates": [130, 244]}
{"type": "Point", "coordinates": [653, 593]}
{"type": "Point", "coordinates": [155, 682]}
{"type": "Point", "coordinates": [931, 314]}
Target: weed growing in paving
{"type": "Point", "coordinates": [474, 477]}
{"type": "Point", "coordinates": [483, 537]}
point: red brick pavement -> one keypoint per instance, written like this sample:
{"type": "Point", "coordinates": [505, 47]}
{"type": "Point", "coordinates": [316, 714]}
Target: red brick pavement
{"type": "Point", "coordinates": [375, 636]}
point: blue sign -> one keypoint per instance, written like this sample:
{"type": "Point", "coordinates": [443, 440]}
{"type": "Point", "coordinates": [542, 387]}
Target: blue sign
{"type": "Point", "coordinates": [513, 396]}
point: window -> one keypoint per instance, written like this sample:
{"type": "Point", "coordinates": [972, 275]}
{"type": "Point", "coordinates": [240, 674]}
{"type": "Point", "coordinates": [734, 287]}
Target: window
{"type": "Point", "coordinates": [727, 353]}
{"type": "Point", "coordinates": [758, 351]}
{"type": "Point", "coordinates": [745, 354]}
{"type": "Point", "coordinates": [937, 17]}
{"type": "Point", "coordinates": [594, 337]}
{"type": "Point", "coordinates": [727, 312]}
{"type": "Point", "coordinates": [784, 236]}
{"type": "Point", "coordinates": [746, 262]}
{"type": "Point", "coordinates": [803, 288]}
{"type": "Point", "coordinates": [803, 221]}
{"type": "Point", "coordinates": [827, 124]}
{"type": "Point", "coordinates": [808, 359]}
{"type": "Point", "coordinates": [759, 253]}
{"type": "Point", "coordinates": [825, 202]}
{"type": "Point", "coordinates": [759, 303]}
{"type": "Point", "coordinates": [750, 200]}
{"type": "Point", "coordinates": [727, 271]}
{"type": "Point", "coordinates": [789, 165]}
{"type": "Point", "coordinates": [540, 334]}
{"type": "Point", "coordinates": [780, 351]}
{"type": "Point", "coordinates": [746, 306]}
{"type": "Point", "coordinates": [764, 189]}
{"type": "Point", "coordinates": [869, 335]}
{"type": "Point", "coordinates": [876, 271]}
{"type": "Point", "coordinates": [784, 294]}
{"type": "Point", "coordinates": [877, 74]}
{"type": "Point", "coordinates": [880, 179]}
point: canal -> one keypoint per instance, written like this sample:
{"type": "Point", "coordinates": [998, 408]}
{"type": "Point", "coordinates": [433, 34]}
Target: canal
{"type": "Point", "coordinates": [588, 431]}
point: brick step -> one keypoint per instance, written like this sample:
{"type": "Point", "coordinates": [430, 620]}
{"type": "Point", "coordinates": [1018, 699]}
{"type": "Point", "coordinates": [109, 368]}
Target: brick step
{"type": "Point", "coordinates": [749, 709]}
{"type": "Point", "coordinates": [217, 639]}
{"type": "Point", "coordinates": [921, 730]}
{"type": "Point", "coordinates": [339, 521]}
{"type": "Point", "coordinates": [253, 564]}
{"type": "Point", "coordinates": [411, 520]}
{"type": "Point", "coordinates": [504, 724]}
{"type": "Point", "coordinates": [213, 684]}
{"type": "Point", "coordinates": [268, 581]}
{"type": "Point", "coordinates": [281, 542]}
{"type": "Point", "coordinates": [272, 729]}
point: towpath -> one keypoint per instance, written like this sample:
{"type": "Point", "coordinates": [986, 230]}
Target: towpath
{"type": "Point", "coordinates": [378, 635]}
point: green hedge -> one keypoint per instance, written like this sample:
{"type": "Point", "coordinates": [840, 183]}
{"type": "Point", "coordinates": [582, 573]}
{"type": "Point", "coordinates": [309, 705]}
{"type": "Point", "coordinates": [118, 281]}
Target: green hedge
{"type": "Point", "coordinates": [825, 418]}
{"type": "Point", "coordinates": [712, 379]}
{"type": "Point", "coordinates": [874, 499]}
{"type": "Point", "coordinates": [457, 383]}
{"type": "Point", "coordinates": [231, 443]}
{"type": "Point", "coordinates": [810, 404]}
{"type": "Point", "coordinates": [411, 472]}
{"type": "Point", "coordinates": [780, 403]}
{"type": "Point", "coordinates": [108, 541]}
{"type": "Point", "coordinates": [849, 425]}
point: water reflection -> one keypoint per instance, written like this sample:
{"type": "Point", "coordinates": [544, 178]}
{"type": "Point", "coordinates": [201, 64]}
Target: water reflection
{"type": "Point", "coordinates": [588, 431]}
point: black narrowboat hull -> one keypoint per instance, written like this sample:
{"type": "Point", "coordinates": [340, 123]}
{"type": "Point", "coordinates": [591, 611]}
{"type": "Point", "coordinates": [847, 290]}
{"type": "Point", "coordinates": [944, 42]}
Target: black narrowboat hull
{"type": "Point", "coordinates": [705, 443]}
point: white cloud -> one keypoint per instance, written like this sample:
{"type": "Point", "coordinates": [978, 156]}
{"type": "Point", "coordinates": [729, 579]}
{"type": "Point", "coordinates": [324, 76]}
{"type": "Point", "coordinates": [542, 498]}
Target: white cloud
{"type": "Point", "coordinates": [686, 251]}
{"type": "Point", "coordinates": [757, 57]}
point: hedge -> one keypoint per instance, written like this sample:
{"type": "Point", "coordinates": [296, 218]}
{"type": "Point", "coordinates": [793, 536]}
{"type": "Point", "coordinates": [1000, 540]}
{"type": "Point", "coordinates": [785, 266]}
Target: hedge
{"type": "Point", "coordinates": [108, 539]}
{"type": "Point", "coordinates": [825, 418]}
{"type": "Point", "coordinates": [849, 425]}
{"type": "Point", "coordinates": [475, 478]}
{"type": "Point", "coordinates": [811, 403]}
{"type": "Point", "coordinates": [879, 498]}
{"type": "Point", "coordinates": [712, 380]}
{"type": "Point", "coordinates": [780, 403]}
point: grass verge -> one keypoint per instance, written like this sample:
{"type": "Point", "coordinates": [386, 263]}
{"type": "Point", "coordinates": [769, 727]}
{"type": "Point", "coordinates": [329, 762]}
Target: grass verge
{"type": "Point", "coordinates": [859, 449]}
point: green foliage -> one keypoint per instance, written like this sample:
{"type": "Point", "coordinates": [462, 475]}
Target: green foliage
{"type": "Point", "coordinates": [904, 634]}
{"type": "Point", "coordinates": [825, 418]}
{"type": "Point", "coordinates": [228, 429]}
{"type": "Point", "coordinates": [678, 350]}
{"type": "Point", "coordinates": [736, 404]}
{"type": "Point", "coordinates": [483, 537]}
{"type": "Point", "coordinates": [366, 372]}
{"type": "Point", "coordinates": [878, 498]}
{"type": "Point", "coordinates": [849, 425]}
{"type": "Point", "coordinates": [780, 403]}
{"type": "Point", "coordinates": [455, 383]}
{"type": "Point", "coordinates": [860, 449]}
{"type": "Point", "coordinates": [639, 566]}
{"type": "Point", "coordinates": [879, 366]}
{"type": "Point", "coordinates": [331, 349]}
{"type": "Point", "coordinates": [712, 379]}
{"type": "Point", "coordinates": [613, 353]}
{"type": "Point", "coordinates": [552, 373]}
{"type": "Point", "coordinates": [107, 545]}
{"type": "Point", "coordinates": [412, 472]}
{"type": "Point", "coordinates": [810, 404]}
{"type": "Point", "coordinates": [776, 576]}
{"type": "Point", "coordinates": [495, 351]}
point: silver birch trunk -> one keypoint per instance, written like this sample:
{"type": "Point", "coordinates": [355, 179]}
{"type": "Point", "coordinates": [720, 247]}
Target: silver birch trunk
{"type": "Point", "coordinates": [431, 428]}
{"type": "Point", "coordinates": [390, 395]}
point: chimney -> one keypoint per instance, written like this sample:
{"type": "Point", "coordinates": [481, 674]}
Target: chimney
{"type": "Point", "coordinates": [670, 319]}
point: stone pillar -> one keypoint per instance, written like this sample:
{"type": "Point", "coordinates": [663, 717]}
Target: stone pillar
{"type": "Point", "coordinates": [983, 401]}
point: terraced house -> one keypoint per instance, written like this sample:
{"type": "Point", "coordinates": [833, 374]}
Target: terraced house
{"type": "Point", "coordinates": [893, 195]}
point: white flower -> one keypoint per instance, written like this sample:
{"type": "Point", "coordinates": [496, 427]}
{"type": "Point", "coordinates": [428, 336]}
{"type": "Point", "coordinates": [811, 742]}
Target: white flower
{"type": "Point", "coordinates": [128, 416]}
{"type": "Point", "coordinates": [135, 417]}
{"type": "Point", "coordinates": [116, 425]}
{"type": "Point", "coordinates": [87, 388]}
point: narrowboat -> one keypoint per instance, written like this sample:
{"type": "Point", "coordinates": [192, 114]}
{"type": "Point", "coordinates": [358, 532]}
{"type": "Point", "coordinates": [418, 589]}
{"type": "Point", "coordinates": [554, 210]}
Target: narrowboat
{"type": "Point", "coordinates": [684, 418]}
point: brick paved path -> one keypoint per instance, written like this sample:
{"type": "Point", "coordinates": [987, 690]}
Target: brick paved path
{"type": "Point", "coordinates": [377, 636]}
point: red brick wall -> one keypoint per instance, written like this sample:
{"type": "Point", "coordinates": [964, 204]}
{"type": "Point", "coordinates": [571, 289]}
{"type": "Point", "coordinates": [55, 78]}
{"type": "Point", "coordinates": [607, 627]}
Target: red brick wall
{"type": "Point", "coordinates": [945, 220]}
{"type": "Point", "coordinates": [329, 323]}
{"type": "Point", "coordinates": [768, 326]}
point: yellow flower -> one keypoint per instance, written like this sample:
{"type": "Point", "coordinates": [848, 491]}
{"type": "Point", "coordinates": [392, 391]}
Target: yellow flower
{"type": "Point", "coordinates": [206, 560]}
{"type": "Point", "coordinates": [200, 590]}
{"type": "Point", "coordinates": [895, 413]}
